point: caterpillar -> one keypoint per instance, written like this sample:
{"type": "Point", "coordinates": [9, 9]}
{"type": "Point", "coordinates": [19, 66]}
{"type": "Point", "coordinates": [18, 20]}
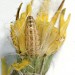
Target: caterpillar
{"type": "Point", "coordinates": [31, 36]}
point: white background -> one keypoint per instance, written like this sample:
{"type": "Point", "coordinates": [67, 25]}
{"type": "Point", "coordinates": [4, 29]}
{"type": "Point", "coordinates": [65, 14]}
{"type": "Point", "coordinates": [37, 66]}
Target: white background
{"type": "Point", "coordinates": [63, 62]}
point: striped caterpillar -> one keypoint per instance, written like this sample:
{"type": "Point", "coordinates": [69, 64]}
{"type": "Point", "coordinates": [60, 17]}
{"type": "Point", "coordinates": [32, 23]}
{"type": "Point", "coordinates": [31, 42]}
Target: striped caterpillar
{"type": "Point", "coordinates": [31, 36]}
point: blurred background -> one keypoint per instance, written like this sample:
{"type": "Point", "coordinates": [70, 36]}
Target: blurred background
{"type": "Point", "coordinates": [63, 62]}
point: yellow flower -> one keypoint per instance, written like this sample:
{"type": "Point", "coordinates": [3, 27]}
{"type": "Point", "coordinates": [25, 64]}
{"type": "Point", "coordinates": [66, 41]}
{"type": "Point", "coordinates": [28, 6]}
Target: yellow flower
{"type": "Point", "coordinates": [50, 37]}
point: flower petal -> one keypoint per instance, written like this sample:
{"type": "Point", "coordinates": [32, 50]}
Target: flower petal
{"type": "Point", "coordinates": [44, 10]}
{"type": "Point", "coordinates": [17, 31]}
